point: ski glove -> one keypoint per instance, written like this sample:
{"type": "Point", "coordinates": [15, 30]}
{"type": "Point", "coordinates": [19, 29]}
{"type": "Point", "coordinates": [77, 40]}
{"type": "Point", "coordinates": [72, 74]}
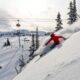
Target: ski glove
{"type": "Point", "coordinates": [64, 38]}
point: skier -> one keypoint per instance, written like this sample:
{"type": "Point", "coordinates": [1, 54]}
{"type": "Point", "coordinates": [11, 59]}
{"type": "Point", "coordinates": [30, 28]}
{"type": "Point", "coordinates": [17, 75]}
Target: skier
{"type": "Point", "coordinates": [56, 40]}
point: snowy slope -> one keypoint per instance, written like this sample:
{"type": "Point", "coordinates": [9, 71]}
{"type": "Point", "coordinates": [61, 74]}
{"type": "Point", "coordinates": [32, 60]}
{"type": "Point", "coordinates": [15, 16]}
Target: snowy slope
{"type": "Point", "coordinates": [9, 57]}
{"type": "Point", "coordinates": [62, 63]}
{"type": "Point", "coordinates": [66, 32]}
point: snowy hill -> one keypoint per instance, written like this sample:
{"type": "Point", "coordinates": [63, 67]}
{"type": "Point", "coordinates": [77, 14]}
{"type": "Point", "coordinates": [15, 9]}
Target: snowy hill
{"type": "Point", "coordinates": [22, 32]}
{"type": "Point", "coordinates": [10, 56]}
{"type": "Point", "coordinates": [62, 63]}
{"type": "Point", "coordinates": [14, 33]}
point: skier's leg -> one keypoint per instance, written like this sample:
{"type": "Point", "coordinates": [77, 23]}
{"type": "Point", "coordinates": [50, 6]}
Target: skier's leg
{"type": "Point", "coordinates": [54, 45]}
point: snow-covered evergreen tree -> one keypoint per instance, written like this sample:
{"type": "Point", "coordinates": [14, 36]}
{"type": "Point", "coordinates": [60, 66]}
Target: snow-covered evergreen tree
{"type": "Point", "coordinates": [59, 22]}
{"type": "Point", "coordinates": [32, 47]}
{"type": "Point", "coordinates": [22, 63]}
{"type": "Point", "coordinates": [8, 42]}
{"type": "Point", "coordinates": [72, 13]}
{"type": "Point", "coordinates": [37, 39]}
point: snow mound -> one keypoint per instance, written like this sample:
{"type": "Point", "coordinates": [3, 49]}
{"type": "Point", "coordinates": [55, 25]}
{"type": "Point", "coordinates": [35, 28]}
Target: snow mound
{"type": "Point", "coordinates": [57, 64]}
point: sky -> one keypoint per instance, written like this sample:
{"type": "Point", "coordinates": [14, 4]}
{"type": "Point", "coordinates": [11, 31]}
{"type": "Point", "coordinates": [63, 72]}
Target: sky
{"type": "Point", "coordinates": [32, 13]}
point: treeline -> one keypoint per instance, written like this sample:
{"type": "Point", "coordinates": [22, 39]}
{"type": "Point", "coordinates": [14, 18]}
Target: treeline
{"type": "Point", "coordinates": [73, 16]}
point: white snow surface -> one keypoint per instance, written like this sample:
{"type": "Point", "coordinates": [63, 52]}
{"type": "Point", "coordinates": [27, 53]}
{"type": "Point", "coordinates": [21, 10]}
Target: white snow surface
{"type": "Point", "coordinates": [9, 56]}
{"type": "Point", "coordinates": [61, 63]}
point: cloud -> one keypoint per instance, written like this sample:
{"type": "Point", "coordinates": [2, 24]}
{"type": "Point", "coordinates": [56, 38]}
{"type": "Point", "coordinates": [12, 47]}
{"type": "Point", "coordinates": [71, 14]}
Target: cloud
{"type": "Point", "coordinates": [4, 20]}
{"type": "Point", "coordinates": [37, 12]}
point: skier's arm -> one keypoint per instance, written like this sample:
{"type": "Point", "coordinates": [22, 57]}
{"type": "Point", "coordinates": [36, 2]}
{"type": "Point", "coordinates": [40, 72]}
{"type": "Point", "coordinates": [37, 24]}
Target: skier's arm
{"type": "Point", "coordinates": [48, 41]}
{"type": "Point", "coordinates": [62, 37]}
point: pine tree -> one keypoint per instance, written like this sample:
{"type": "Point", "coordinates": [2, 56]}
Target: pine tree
{"type": "Point", "coordinates": [72, 13]}
{"type": "Point", "coordinates": [59, 22]}
{"type": "Point", "coordinates": [37, 38]}
{"type": "Point", "coordinates": [21, 62]}
{"type": "Point", "coordinates": [8, 42]}
{"type": "Point", "coordinates": [20, 65]}
{"type": "Point", "coordinates": [75, 10]}
{"type": "Point", "coordinates": [32, 47]}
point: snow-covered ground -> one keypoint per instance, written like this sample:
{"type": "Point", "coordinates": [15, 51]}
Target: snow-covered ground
{"type": "Point", "coordinates": [55, 65]}
{"type": "Point", "coordinates": [9, 56]}
{"type": "Point", "coordinates": [61, 63]}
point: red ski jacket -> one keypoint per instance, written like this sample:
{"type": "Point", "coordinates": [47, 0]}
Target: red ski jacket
{"type": "Point", "coordinates": [54, 38]}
